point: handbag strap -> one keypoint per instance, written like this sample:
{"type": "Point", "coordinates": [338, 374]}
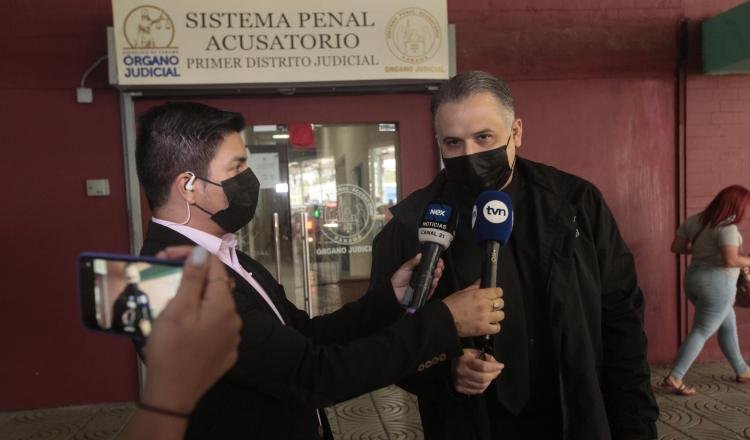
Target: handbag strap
{"type": "Point", "coordinates": [695, 237]}
{"type": "Point", "coordinates": [703, 226]}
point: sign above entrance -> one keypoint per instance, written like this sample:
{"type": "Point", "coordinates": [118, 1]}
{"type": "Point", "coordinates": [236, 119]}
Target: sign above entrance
{"type": "Point", "coordinates": [232, 42]}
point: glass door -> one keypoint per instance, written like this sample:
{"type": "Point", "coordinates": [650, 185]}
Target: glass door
{"type": "Point", "coordinates": [325, 193]}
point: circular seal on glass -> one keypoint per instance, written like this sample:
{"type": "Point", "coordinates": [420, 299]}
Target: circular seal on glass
{"type": "Point", "coordinates": [148, 27]}
{"type": "Point", "coordinates": [413, 35]}
{"type": "Point", "coordinates": [351, 220]}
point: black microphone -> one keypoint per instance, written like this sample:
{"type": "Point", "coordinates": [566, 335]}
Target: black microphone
{"type": "Point", "coordinates": [492, 221]}
{"type": "Point", "coordinates": [435, 234]}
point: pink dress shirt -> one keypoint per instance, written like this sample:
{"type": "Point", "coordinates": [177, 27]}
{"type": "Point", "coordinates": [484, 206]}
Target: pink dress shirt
{"type": "Point", "coordinates": [224, 249]}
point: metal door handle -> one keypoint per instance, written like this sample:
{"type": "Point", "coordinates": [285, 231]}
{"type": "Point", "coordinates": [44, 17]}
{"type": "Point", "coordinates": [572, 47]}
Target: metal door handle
{"type": "Point", "coordinates": [306, 264]}
{"type": "Point", "coordinates": [277, 245]}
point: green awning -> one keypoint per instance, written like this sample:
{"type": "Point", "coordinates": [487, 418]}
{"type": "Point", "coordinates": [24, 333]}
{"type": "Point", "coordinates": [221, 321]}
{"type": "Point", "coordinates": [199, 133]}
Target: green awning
{"type": "Point", "coordinates": [726, 42]}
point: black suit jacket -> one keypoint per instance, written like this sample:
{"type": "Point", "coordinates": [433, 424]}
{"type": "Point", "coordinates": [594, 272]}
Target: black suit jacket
{"type": "Point", "coordinates": [285, 372]}
{"type": "Point", "coordinates": [593, 301]}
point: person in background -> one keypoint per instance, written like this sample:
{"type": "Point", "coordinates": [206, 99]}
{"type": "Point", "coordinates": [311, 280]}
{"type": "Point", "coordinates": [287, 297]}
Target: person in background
{"type": "Point", "coordinates": [712, 239]}
{"type": "Point", "coordinates": [193, 343]}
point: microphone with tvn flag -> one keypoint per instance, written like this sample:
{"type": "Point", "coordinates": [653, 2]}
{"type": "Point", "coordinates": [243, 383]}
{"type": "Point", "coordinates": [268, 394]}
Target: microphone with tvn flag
{"type": "Point", "coordinates": [492, 221]}
{"type": "Point", "coordinates": [435, 235]}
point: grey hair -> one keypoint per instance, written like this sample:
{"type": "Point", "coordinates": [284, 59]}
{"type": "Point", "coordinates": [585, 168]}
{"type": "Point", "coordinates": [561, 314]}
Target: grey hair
{"type": "Point", "coordinates": [466, 84]}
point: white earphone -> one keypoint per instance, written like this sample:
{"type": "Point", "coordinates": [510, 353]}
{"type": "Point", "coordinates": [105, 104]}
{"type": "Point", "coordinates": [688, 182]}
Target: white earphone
{"type": "Point", "coordinates": [189, 184]}
{"type": "Point", "coordinates": [188, 187]}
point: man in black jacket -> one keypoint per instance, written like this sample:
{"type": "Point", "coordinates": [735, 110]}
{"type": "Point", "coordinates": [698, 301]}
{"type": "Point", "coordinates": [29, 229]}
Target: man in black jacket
{"type": "Point", "coordinates": [572, 342]}
{"type": "Point", "coordinates": [191, 161]}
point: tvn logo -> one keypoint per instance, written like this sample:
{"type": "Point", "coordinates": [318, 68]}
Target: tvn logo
{"type": "Point", "coordinates": [438, 213]}
{"type": "Point", "coordinates": [495, 211]}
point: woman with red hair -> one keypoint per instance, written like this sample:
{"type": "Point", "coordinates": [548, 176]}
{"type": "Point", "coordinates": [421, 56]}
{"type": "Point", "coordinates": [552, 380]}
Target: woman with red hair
{"type": "Point", "coordinates": [713, 240]}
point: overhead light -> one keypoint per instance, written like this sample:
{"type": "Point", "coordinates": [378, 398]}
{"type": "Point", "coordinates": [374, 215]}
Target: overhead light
{"type": "Point", "coordinates": [282, 188]}
{"type": "Point", "coordinates": [331, 225]}
{"type": "Point", "coordinates": [280, 136]}
{"type": "Point", "coordinates": [264, 128]}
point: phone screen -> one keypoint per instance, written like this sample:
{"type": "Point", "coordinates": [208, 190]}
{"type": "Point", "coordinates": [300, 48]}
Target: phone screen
{"type": "Point", "coordinates": [124, 294]}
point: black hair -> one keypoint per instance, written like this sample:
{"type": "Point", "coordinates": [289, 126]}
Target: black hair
{"type": "Point", "coordinates": [178, 137]}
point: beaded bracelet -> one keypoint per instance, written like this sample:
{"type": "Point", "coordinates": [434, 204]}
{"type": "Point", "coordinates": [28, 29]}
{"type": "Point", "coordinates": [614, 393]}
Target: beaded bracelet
{"type": "Point", "coordinates": [163, 411]}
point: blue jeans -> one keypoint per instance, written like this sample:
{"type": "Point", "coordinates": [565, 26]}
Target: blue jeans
{"type": "Point", "coordinates": [712, 291]}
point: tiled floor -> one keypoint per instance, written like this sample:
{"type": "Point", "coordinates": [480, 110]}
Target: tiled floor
{"type": "Point", "coordinates": [76, 422]}
{"type": "Point", "coordinates": [720, 411]}
{"type": "Point", "coordinates": [385, 414]}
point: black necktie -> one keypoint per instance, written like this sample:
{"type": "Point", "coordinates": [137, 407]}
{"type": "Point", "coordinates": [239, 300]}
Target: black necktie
{"type": "Point", "coordinates": [510, 344]}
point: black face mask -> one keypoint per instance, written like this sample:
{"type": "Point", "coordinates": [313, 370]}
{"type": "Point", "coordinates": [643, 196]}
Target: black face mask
{"type": "Point", "coordinates": [488, 170]}
{"type": "Point", "coordinates": [242, 194]}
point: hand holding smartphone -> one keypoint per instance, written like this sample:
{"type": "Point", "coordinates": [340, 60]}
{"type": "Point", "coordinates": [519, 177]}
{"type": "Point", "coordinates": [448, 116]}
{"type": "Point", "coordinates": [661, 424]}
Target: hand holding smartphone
{"type": "Point", "coordinates": [194, 342]}
{"type": "Point", "coordinates": [123, 294]}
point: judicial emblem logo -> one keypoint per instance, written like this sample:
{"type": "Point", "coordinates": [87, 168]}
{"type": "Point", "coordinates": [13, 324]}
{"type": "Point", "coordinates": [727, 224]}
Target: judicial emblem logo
{"type": "Point", "coordinates": [413, 35]}
{"type": "Point", "coordinates": [148, 27]}
{"type": "Point", "coordinates": [351, 219]}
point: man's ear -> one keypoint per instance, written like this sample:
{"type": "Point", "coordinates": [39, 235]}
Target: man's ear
{"type": "Point", "coordinates": [517, 130]}
{"type": "Point", "coordinates": [184, 184]}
